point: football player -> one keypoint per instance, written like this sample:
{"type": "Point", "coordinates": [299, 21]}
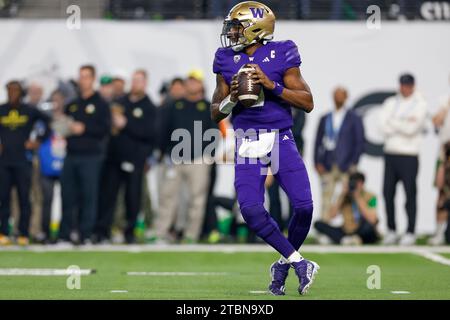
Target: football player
{"type": "Point", "coordinates": [246, 39]}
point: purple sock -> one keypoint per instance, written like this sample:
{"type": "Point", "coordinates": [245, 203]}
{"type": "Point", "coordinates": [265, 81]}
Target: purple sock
{"type": "Point", "coordinates": [260, 222]}
{"type": "Point", "coordinates": [299, 225]}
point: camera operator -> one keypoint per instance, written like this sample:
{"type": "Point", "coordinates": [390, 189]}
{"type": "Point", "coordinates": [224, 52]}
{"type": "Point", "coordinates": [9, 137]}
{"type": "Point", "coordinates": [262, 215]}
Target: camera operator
{"type": "Point", "coordinates": [358, 208]}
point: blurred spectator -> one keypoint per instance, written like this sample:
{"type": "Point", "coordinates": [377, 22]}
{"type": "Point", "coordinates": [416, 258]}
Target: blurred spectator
{"type": "Point", "coordinates": [403, 119]}
{"type": "Point", "coordinates": [182, 115]}
{"type": "Point", "coordinates": [85, 152]}
{"type": "Point", "coordinates": [107, 88]}
{"type": "Point", "coordinates": [174, 90]}
{"type": "Point", "coordinates": [359, 210]}
{"type": "Point", "coordinates": [441, 121]}
{"type": "Point", "coordinates": [338, 147]}
{"type": "Point", "coordinates": [118, 83]}
{"type": "Point", "coordinates": [443, 184]}
{"type": "Point", "coordinates": [133, 118]}
{"type": "Point", "coordinates": [16, 123]}
{"type": "Point", "coordinates": [35, 93]}
{"type": "Point", "coordinates": [51, 157]}
{"type": "Point", "coordinates": [177, 90]}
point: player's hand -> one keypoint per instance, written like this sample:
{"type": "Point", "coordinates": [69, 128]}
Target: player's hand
{"type": "Point", "coordinates": [32, 145]}
{"type": "Point", "coordinates": [320, 169]}
{"type": "Point", "coordinates": [439, 118]}
{"type": "Point", "coordinates": [260, 77]}
{"type": "Point", "coordinates": [77, 128]}
{"type": "Point", "coordinates": [119, 121]}
{"type": "Point", "coordinates": [234, 85]}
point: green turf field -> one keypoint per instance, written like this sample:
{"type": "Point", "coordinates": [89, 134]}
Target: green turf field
{"type": "Point", "coordinates": [342, 276]}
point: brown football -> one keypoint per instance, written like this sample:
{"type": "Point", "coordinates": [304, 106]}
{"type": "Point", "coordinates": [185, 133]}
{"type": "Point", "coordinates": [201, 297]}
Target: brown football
{"type": "Point", "coordinates": [248, 91]}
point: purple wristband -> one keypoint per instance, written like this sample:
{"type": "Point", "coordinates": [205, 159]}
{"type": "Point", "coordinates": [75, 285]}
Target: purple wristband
{"type": "Point", "coordinates": [278, 90]}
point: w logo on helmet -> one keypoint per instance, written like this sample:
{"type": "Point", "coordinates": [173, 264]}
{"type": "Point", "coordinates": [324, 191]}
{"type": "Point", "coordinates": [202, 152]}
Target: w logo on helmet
{"type": "Point", "coordinates": [257, 12]}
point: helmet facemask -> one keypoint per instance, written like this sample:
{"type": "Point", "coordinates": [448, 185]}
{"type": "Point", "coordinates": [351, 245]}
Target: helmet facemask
{"type": "Point", "coordinates": [233, 34]}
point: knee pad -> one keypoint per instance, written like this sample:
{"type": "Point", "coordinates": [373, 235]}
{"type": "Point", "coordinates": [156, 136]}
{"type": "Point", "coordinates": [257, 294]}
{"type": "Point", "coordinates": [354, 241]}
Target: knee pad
{"type": "Point", "coordinates": [302, 216]}
{"type": "Point", "coordinates": [259, 220]}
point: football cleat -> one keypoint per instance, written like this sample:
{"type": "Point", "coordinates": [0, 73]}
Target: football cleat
{"type": "Point", "coordinates": [306, 272]}
{"type": "Point", "coordinates": [278, 274]}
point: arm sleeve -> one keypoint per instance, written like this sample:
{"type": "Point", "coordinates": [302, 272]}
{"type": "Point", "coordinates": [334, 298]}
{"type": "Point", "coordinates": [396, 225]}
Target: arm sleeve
{"type": "Point", "coordinates": [318, 142]}
{"type": "Point", "coordinates": [218, 62]}
{"type": "Point", "coordinates": [385, 115]}
{"type": "Point", "coordinates": [410, 127]}
{"type": "Point", "coordinates": [164, 116]}
{"type": "Point", "coordinates": [359, 139]}
{"type": "Point", "coordinates": [40, 116]}
{"type": "Point", "coordinates": [291, 57]}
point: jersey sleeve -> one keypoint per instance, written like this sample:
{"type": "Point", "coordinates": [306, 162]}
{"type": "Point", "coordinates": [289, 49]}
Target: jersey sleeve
{"type": "Point", "coordinates": [292, 57]}
{"type": "Point", "coordinates": [218, 62]}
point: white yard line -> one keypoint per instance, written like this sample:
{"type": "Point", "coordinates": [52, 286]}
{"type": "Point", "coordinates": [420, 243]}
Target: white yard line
{"type": "Point", "coordinates": [175, 274]}
{"type": "Point", "coordinates": [434, 257]}
{"type": "Point", "coordinates": [227, 248]}
{"type": "Point", "coordinates": [43, 272]}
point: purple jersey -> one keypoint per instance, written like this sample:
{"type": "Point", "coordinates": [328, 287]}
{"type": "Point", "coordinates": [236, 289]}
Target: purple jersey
{"type": "Point", "coordinates": [274, 58]}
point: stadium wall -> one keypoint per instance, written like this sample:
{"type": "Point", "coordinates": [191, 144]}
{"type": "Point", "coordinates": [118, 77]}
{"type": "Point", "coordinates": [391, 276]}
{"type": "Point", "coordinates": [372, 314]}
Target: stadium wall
{"type": "Point", "coordinates": [333, 53]}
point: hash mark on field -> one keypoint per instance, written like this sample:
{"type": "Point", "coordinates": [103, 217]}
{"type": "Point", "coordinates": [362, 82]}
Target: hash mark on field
{"type": "Point", "coordinates": [258, 292]}
{"type": "Point", "coordinates": [119, 291]}
{"type": "Point", "coordinates": [400, 292]}
{"type": "Point", "coordinates": [170, 274]}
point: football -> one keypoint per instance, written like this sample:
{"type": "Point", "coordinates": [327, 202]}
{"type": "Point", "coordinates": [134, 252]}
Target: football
{"type": "Point", "coordinates": [248, 91]}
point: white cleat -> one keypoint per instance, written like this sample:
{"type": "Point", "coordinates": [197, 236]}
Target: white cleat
{"type": "Point", "coordinates": [408, 239]}
{"type": "Point", "coordinates": [390, 238]}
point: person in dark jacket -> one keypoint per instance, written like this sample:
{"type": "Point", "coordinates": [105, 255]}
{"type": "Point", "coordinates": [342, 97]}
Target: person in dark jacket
{"type": "Point", "coordinates": [85, 153]}
{"type": "Point", "coordinates": [184, 124]}
{"type": "Point", "coordinates": [132, 140]}
{"type": "Point", "coordinates": [338, 147]}
{"type": "Point", "coordinates": [16, 123]}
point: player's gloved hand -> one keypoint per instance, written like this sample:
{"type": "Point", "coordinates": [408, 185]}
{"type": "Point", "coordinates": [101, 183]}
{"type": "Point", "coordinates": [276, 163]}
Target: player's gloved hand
{"type": "Point", "coordinates": [260, 77]}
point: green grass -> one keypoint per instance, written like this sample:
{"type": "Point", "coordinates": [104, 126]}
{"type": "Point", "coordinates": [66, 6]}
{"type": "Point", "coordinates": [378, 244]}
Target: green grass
{"type": "Point", "coordinates": [342, 276]}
